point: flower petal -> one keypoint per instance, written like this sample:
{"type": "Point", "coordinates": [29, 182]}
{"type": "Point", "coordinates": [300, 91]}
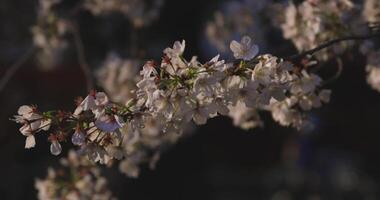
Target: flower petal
{"type": "Point", "coordinates": [30, 142]}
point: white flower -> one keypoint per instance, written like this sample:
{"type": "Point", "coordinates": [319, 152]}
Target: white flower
{"type": "Point", "coordinates": [243, 116]}
{"type": "Point", "coordinates": [205, 84]}
{"type": "Point", "coordinates": [373, 77]}
{"type": "Point", "coordinates": [249, 94]}
{"type": "Point", "coordinates": [306, 84]}
{"type": "Point", "coordinates": [177, 50]}
{"type": "Point", "coordinates": [217, 64]}
{"type": "Point", "coordinates": [245, 49]}
{"type": "Point", "coordinates": [101, 99]}
{"type": "Point", "coordinates": [109, 123]}
{"type": "Point", "coordinates": [32, 123]}
{"type": "Point", "coordinates": [162, 105]}
{"type": "Point", "coordinates": [262, 73]}
{"type": "Point", "coordinates": [282, 112]}
{"type": "Point", "coordinates": [373, 69]}
{"type": "Point", "coordinates": [324, 96]}
{"type": "Point", "coordinates": [87, 184]}
{"type": "Point", "coordinates": [199, 113]}
{"type": "Point", "coordinates": [96, 102]}
{"type": "Point", "coordinates": [148, 70]}
{"type": "Point", "coordinates": [26, 111]}
{"type": "Point", "coordinates": [372, 10]}
{"type": "Point", "coordinates": [78, 138]}
{"type": "Point", "coordinates": [87, 104]}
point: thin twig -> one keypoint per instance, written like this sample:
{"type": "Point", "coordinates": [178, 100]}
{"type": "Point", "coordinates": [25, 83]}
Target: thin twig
{"type": "Point", "coordinates": [133, 42]}
{"type": "Point", "coordinates": [82, 58]}
{"type": "Point", "coordinates": [337, 73]}
{"type": "Point", "coordinates": [13, 69]}
{"type": "Point", "coordinates": [330, 43]}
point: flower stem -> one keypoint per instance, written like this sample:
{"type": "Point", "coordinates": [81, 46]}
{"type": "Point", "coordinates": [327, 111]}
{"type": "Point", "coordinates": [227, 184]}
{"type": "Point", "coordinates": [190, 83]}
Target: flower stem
{"type": "Point", "coordinates": [13, 69]}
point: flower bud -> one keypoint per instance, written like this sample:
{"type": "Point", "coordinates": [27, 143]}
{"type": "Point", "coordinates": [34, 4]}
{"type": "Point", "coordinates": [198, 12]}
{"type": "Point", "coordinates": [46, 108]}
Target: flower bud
{"type": "Point", "coordinates": [78, 138]}
{"type": "Point", "coordinates": [55, 148]}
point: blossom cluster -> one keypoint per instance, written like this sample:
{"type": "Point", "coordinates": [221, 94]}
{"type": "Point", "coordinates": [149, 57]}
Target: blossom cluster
{"type": "Point", "coordinates": [118, 77]}
{"type": "Point", "coordinates": [315, 22]}
{"type": "Point", "coordinates": [308, 25]}
{"type": "Point", "coordinates": [371, 11]}
{"type": "Point", "coordinates": [142, 113]}
{"type": "Point", "coordinates": [49, 33]}
{"type": "Point", "coordinates": [175, 92]}
{"type": "Point", "coordinates": [371, 14]}
{"type": "Point", "coordinates": [139, 12]}
{"type": "Point", "coordinates": [78, 179]}
{"type": "Point", "coordinates": [54, 24]}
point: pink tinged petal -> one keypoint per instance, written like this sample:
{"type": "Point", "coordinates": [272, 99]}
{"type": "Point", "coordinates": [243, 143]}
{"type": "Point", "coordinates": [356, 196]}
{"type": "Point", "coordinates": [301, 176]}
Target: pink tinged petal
{"type": "Point", "coordinates": [26, 130]}
{"type": "Point", "coordinates": [45, 124]}
{"type": "Point", "coordinates": [25, 111]}
{"type": "Point", "coordinates": [236, 49]}
{"type": "Point", "coordinates": [183, 45]}
{"type": "Point", "coordinates": [178, 47]}
{"type": "Point", "coordinates": [30, 142]}
{"type": "Point", "coordinates": [19, 119]}
{"type": "Point", "coordinates": [78, 138]}
{"type": "Point", "coordinates": [101, 99]}
{"type": "Point", "coordinates": [252, 52]}
{"type": "Point", "coordinates": [246, 41]}
{"type": "Point", "coordinates": [78, 111]}
{"type": "Point", "coordinates": [107, 125]}
{"type": "Point", "coordinates": [55, 148]}
{"type": "Point", "coordinates": [88, 103]}
{"type": "Point", "coordinates": [215, 59]}
{"type": "Point", "coordinates": [147, 71]}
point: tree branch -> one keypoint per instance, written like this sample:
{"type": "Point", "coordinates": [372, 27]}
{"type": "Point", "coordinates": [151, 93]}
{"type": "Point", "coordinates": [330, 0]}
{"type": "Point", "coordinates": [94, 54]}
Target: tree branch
{"type": "Point", "coordinates": [330, 43]}
{"type": "Point", "coordinates": [337, 73]}
{"type": "Point", "coordinates": [82, 58]}
{"type": "Point", "coordinates": [13, 69]}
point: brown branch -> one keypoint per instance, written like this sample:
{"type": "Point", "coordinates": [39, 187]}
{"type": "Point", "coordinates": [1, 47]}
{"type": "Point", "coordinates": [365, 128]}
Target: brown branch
{"type": "Point", "coordinates": [330, 43]}
{"type": "Point", "coordinates": [13, 69]}
{"type": "Point", "coordinates": [82, 58]}
{"type": "Point", "coordinates": [337, 73]}
{"type": "Point", "coordinates": [133, 42]}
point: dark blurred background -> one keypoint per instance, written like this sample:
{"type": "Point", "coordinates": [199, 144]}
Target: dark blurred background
{"type": "Point", "coordinates": [338, 160]}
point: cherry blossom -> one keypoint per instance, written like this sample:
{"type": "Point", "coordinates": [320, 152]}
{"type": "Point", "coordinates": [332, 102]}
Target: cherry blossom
{"type": "Point", "coordinates": [245, 49]}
